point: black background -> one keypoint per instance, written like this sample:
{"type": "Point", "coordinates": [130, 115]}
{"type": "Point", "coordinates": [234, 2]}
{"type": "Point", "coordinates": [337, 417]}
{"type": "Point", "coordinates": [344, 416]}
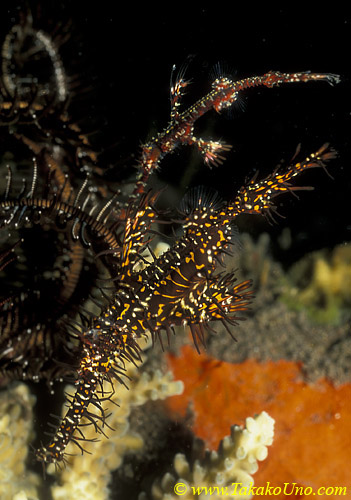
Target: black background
{"type": "Point", "coordinates": [124, 53]}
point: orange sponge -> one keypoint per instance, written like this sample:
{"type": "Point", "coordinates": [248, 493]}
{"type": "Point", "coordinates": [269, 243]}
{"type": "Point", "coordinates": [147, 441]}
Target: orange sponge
{"type": "Point", "coordinates": [312, 442]}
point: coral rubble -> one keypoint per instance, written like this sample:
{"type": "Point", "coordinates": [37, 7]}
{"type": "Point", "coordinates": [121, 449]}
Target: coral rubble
{"type": "Point", "coordinates": [16, 432]}
{"type": "Point", "coordinates": [214, 475]}
{"type": "Point", "coordinates": [321, 284]}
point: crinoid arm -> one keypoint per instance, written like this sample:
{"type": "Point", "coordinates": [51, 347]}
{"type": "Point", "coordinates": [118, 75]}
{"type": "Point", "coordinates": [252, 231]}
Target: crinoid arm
{"type": "Point", "coordinates": [23, 101]}
{"type": "Point", "coordinates": [27, 207]}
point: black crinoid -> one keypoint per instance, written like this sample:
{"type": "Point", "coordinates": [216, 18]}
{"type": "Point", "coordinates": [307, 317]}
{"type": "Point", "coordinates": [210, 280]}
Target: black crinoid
{"type": "Point", "coordinates": [65, 228]}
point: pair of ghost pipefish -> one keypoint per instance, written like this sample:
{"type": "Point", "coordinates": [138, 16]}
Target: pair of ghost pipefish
{"type": "Point", "coordinates": [183, 285]}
